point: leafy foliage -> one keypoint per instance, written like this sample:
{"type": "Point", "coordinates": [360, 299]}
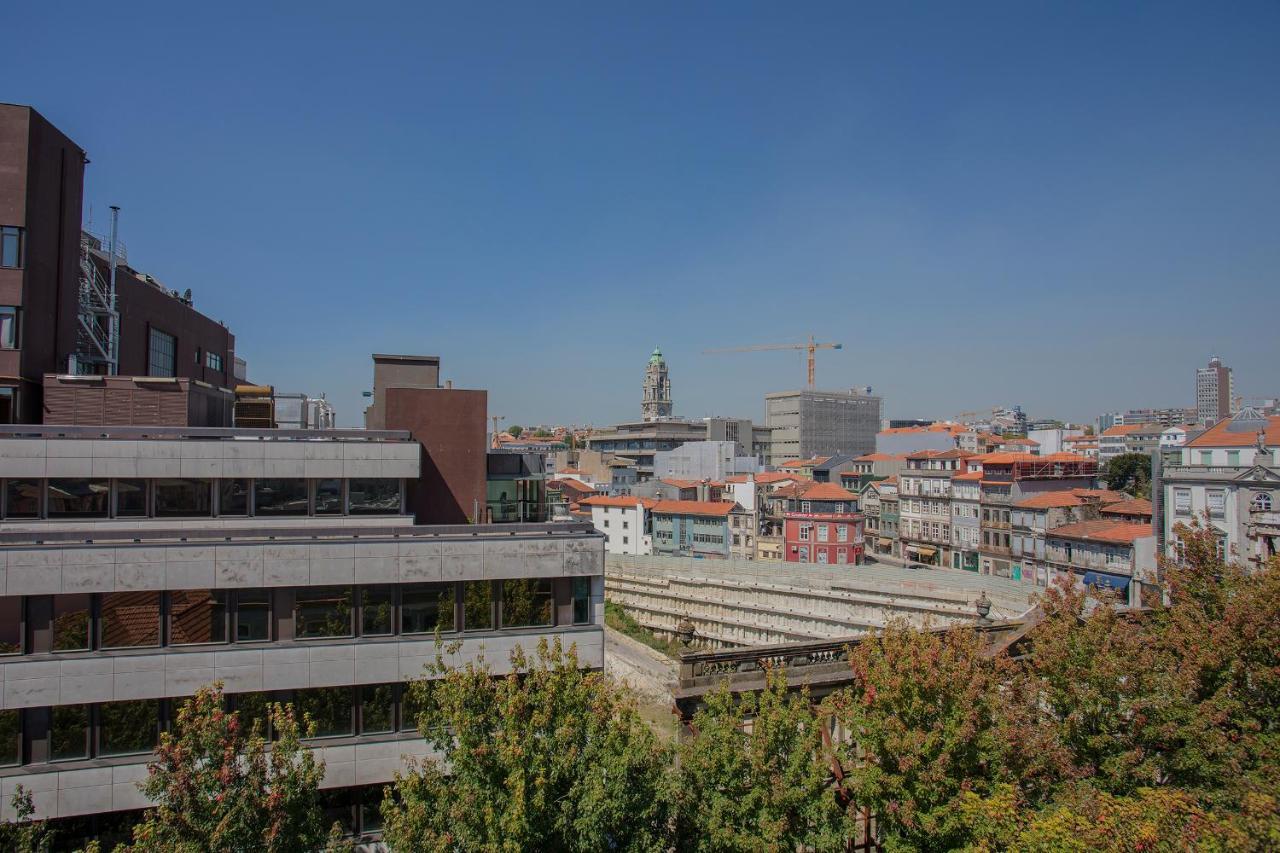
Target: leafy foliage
{"type": "Point", "coordinates": [550, 758]}
{"type": "Point", "coordinates": [760, 786]}
{"type": "Point", "coordinates": [217, 787]}
{"type": "Point", "coordinates": [515, 430]}
{"type": "Point", "coordinates": [24, 835]}
{"type": "Point", "coordinates": [1129, 472]}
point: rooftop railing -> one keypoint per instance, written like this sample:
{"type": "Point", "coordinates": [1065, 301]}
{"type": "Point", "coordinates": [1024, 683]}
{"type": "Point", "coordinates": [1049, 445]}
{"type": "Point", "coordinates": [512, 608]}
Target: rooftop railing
{"type": "Point", "coordinates": [202, 433]}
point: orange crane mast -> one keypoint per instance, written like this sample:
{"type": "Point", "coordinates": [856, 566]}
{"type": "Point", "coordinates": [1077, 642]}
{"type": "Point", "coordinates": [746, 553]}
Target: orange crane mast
{"type": "Point", "coordinates": [811, 348]}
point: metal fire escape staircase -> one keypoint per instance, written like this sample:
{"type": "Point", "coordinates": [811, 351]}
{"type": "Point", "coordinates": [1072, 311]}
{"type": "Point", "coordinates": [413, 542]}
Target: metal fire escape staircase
{"type": "Point", "coordinates": [98, 330]}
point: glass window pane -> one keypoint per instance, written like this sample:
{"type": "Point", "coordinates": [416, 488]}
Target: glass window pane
{"type": "Point", "coordinates": [125, 728]}
{"type": "Point", "coordinates": [233, 497]}
{"type": "Point", "coordinates": [162, 354]}
{"type": "Point", "coordinates": [79, 498]}
{"type": "Point", "coordinates": [477, 606]}
{"type": "Point", "coordinates": [376, 708]}
{"type": "Point", "coordinates": [70, 623]}
{"type": "Point", "coordinates": [410, 704]}
{"type": "Point", "coordinates": [11, 625]}
{"type": "Point", "coordinates": [182, 498]}
{"type": "Point", "coordinates": [581, 600]}
{"type": "Point", "coordinates": [197, 616]}
{"type": "Point", "coordinates": [338, 808]}
{"type": "Point", "coordinates": [322, 611]}
{"type": "Point", "coordinates": [253, 616]}
{"type": "Point", "coordinates": [526, 602]}
{"type": "Point", "coordinates": [280, 497]}
{"type": "Point", "coordinates": [10, 737]}
{"type": "Point", "coordinates": [253, 709]}
{"type": "Point", "coordinates": [69, 732]}
{"type": "Point", "coordinates": [375, 610]}
{"type": "Point", "coordinates": [328, 497]}
{"type": "Point", "coordinates": [374, 497]}
{"type": "Point", "coordinates": [328, 707]}
{"type": "Point", "coordinates": [371, 808]}
{"type": "Point", "coordinates": [22, 499]}
{"type": "Point", "coordinates": [425, 607]}
{"type": "Point", "coordinates": [10, 246]}
{"type": "Point", "coordinates": [131, 498]}
{"type": "Point", "coordinates": [130, 619]}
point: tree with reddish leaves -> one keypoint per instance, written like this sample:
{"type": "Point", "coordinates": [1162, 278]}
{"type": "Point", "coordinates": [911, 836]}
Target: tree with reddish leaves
{"type": "Point", "coordinates": [218, 787]}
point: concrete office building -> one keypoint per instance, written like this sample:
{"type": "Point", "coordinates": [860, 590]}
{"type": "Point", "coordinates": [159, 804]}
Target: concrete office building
{"type": "Point", "coordinates": [141, 564]}
{"type": "Point", "coordinates": [1215, 392]}
{"type": "Point", "coordinates": [812, 423]}
{"type": "Point", "coordinates": [703, 460]}
{"type": "Point", "coordinates": [752, 440]}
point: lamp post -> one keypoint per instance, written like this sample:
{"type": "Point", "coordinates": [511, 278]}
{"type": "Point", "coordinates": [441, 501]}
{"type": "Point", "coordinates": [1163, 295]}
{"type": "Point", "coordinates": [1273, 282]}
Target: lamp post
{"type": "Point", "coordinates": [983, 606]}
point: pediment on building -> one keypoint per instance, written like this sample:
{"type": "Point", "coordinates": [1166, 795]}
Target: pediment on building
{"type": "Point", "coordinates": [1258, 474]}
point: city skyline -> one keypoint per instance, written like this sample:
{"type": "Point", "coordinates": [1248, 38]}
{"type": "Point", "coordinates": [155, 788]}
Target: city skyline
{"type": "Point", "coordinates": [585, 185]}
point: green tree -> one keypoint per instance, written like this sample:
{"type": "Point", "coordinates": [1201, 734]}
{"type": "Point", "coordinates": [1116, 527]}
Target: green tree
{"type": "Point", "coordinates": [552, 757]}
{"type": "Point", "coordinates": [514, 430]}
{"type": "Point", "coordinates": [24, 835]}
{"type": "Point", "coordinates": [217, 786]}
{"type": "Point", "coordinates": [1129, 472]}
{"type": "Point", "coordinates": [763, 786]}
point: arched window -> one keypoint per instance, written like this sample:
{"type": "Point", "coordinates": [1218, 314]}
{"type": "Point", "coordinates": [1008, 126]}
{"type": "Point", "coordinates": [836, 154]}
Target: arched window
{"type": "Point", "coordinates": [1261, 502]}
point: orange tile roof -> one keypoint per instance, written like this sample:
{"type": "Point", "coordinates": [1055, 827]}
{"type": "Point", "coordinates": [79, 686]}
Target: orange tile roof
{"type": "Point", "coordinates": [1048, 500]}
{"type": "Point", "coordinates": [718, 508]}
{"type": "Point", "coordinates": [618, 500]}
{"type": "Point", "coordinates": [882, 457]}
{"type": "Point", "coordinates": [1136, 506]}
{"type": "Point", "coordinates": [1008, 458]}
{"type": "Point", "coordinates": [827, 492]}
{"type": "Point", "coordinates": [954, 429]}
{"type": "Point", "coordinates": [767, 477]}
{"type": "Point", "coordinates": [1103, 530]}
{"type": "Point", "coordinates": [967, 476]}
{"type": "Point", "coordinates": [572, 485]}
{"type": "Point", "coordinates": [804, 463]}
{"type": "Point", "coordinates": [1021, 442]}
{"type": "Point", "coordinates": [1129, 429]}
{"type": "Point", "coordinates": [1218, 436]}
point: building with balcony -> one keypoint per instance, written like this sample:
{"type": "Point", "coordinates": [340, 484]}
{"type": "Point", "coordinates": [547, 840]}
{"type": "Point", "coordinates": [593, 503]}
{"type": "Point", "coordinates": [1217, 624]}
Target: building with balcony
{"type": "Point", "coordinates": [888, 540]}
{"type": "Point", "coordinates": [822, 525]}
{"type": "Point", "coordinates": [1112, 555]}
{"type": "Point", "coordinates": [924, 495]}
{"type": "Point", "coordinates": [1032, 517]}
{"type": "Point", "coordinates": [139, 564]}
{"type": "Point", "coordinates": [692, 528]}
{"type": "Point", "coordinates": [1128, 438]}
{"type": "Point", "coordinates": [966, 529]}
{"type": "Point", "coordinates": [1229, 478]}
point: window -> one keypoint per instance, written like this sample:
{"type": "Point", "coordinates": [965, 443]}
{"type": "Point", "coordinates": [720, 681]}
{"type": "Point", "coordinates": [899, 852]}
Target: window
{"type": "Point", "coordinates": [822, 555]}
{"type": "Point", "coordinates": [128, 728]}
{"type": "Point", "coordinates": [233, 497]}
{"type": "Point", "coordinates": [69, 732]}
{"type": "Point", "coordinates": [329, 708]}
{"type": "Point", "coordinates": [1182, 501]}
{"type": "Point", "coordinates": [10, 737]}
{"type": "Point", "coordinates": [10, 627]}
{"type": "Point", "coordinates": [129, 620]}
{"type": "Point", "coordinates": [9, 327]}
{"type": "Point", "coordinates": [377, 708]}
{"type": "Point", "coordinates": [22, 499]}
{"type": "Point", "coordinates": [280, 497]}
{"type": "Point", "coordinates": [1233, 457]}
{"type": "Point", "coordinates": [197, 616]}
{"type": "Point", "coordinates": [823, 533]}
{"type": "Point", "coordinates": [10, 246]}
{"type": "Point", "coordinates": [841, 556]}
{"type": "Point", "coordinates": [376, 606]}
{"type": "Point", "coordinates": [842, 533]}
{"type": "Point", "coordinates": [161, 353]}
{"type": "Point", "coordinates": [78, 498]}
{"type": "Point", "coordinates": [252, 616]}
{"type": "Point", "coordinates": [8, 405]}
{"type": "Point", "coordinates": [411, 706]}
{"type": "Point", "coordinates": [1216, 499]}
{"type": "Point", "coordinates": [424, 607]}
{"type": "Point", "coordinates": [805, 506]}
{"type": "Point", "coordinates": [131, 498]}
{"type": "Point", "coordinates": [581, 600]}
{"type": "Point", "coordinates": [374, 497]}
{"type": "Point", "coordinates": [804, 553]}
{"type": "Point", "coordinates": [71, 623]}
{"type": "Point", "coordinates": [804, 532]}
{"type": "Point", "coordinates": [526, 602]}
{"type": "Point", "coordinates": [182, 498]}
{"type": "Point", "coordinates": [477, 606]}
{"type": "Point", "coordinates": [1261, 502]}
{"type": "Point", "coordinates": [322, 611]}
{"type": "Point", "coordinates": [213, 361]}
{"type": "Point", "coordinates": [254, 712]}
{"type": "Point", "coordinates": [1206, 457]}
{"type": "Point", "coordinates": [328, 497]}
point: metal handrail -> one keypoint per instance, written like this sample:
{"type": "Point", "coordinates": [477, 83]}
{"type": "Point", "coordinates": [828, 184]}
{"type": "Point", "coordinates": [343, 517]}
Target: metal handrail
{"type": "Point", "coordinates": [245, 534]}
{"type": "Point", "coordinates": [187, 432]}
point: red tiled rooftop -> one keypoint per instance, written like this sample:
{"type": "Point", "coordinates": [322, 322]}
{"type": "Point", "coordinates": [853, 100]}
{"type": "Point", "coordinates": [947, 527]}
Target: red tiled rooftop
{"type": "Point", "coordinates": [826, 492]}
{"type": "Point", "coordinates": [1218, 436]}
{"type": "Point", "coordinates": [626, 501]}
{"type": "Point", "coordinates": [1135, 506]}
{"type": "Point", "coordinates": [709, 508]}
{"type": "Point", "coordinates": [1049, 500]}
{"type": "Point", "coordinates": [1103, 530]}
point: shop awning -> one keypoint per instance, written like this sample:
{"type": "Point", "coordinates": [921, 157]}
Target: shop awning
{"type": "Point", "coordinates": [884, 542]}
{"type": "Point", "coordinates": [926, 550]}
{"type": "Point", "coordinates": [1119, 583]}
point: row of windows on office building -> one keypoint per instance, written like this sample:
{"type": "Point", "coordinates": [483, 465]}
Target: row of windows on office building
{"type": "Point", "coordinates": [70, 498]}
{"type": "Point", "coordinates": [82, 622]}
{"type": "Point", "coordinates": [162, 355]}
{"type": "Point", "coordinates": [357, 810]}
{"type": "Point", "coordinates": [83, 732]}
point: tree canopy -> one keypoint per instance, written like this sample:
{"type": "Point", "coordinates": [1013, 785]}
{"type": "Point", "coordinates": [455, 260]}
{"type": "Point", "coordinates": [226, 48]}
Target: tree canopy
{"type": "Point", "coordinates": [1129, 472]}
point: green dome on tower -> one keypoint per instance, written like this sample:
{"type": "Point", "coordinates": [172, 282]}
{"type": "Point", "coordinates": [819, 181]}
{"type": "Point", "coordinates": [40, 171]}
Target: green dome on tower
{"type": "Point", "coordinates": [656, 357]}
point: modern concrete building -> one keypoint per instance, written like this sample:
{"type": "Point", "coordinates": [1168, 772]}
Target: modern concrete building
{"type": "Point", "coordinates": [1215, 392]}
{"type": "Point", "coordinates": [638, 441]}
{"type": "Point", "coordinates": [751, 440]}
{"type": "Point", "coordinates": [910, 439]}
{"type": "Point", "coordinates": [703, 460]}
{"type": "Point", "coordinates": [139, 564]}
{"type": "Point", "coordinates": [811, 423]}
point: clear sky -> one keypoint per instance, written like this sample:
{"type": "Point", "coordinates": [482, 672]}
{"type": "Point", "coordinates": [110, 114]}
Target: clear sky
{"type": "Point", "coordinates": [1067, 206]}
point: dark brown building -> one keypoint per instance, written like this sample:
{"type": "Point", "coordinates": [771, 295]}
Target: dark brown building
{"type": "Point", "coordinates": [135, 401]}
{"type": "Point", "coordinates": [43, 257]}
{"type": "Point", "coordinates": [41, 182]}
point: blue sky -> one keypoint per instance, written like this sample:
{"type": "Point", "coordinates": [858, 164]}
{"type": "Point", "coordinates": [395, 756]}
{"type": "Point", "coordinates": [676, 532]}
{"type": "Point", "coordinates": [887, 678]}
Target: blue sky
{"type": "Point", "coordinates": [1067, 206]}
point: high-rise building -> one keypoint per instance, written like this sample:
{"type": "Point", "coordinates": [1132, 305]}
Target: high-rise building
{"type": "Point", "coordinates": [1215, 391]}
{"type": "Point", "coordinates": [656, 404]}
{"type": "Point", "coordinates": [812, 423]}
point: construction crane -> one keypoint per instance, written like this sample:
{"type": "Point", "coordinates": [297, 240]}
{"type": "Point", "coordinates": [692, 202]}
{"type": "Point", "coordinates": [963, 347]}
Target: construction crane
{"type": "Point", "coordinates": [811, 347]}
{"type": "Point", "coordinates": [495, 419]}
